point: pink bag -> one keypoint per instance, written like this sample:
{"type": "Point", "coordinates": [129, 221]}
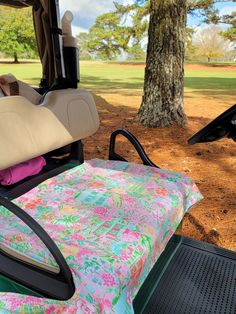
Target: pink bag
{"type": "Point", "coordinates": [21, 171]}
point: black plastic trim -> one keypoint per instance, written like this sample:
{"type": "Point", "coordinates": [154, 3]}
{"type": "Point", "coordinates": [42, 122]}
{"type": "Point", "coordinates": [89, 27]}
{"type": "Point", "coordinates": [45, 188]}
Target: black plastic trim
{"type": "Point", "coordinates": [134, 141]}
{"type": "Point", "coordinates": [58, 286]}
{"type": "Point", "coordinates": [77, 152]}
{"type": "Point", "coordinates": [56, 40]}
{"type": "Point", "coordinates": [221, 126]}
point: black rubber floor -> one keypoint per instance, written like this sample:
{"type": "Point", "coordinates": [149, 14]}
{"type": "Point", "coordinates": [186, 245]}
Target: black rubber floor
{"type": "Point", "coordinates": [200, 278]}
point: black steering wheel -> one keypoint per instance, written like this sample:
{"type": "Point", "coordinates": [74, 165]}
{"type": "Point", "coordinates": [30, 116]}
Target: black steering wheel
{"type": "Point", "coordinates": [222, 126]}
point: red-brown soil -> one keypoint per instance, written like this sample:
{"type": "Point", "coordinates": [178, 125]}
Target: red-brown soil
{"type": "Point", "coordinates": [211, 165]}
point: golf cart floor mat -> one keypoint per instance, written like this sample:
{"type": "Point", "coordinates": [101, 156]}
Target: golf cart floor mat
{"type": "Point", "coordinates": [111, 220]}
{"type": "Point", "coordinates": [190, 277]}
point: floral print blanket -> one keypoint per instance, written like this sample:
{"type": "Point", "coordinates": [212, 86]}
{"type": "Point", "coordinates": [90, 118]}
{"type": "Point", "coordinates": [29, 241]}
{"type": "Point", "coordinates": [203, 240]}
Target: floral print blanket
{"type": "Point", "coordinates": [111, 220]}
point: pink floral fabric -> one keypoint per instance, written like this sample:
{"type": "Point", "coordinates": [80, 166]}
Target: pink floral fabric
{"type": "Point", "coordinates": [111, 220]}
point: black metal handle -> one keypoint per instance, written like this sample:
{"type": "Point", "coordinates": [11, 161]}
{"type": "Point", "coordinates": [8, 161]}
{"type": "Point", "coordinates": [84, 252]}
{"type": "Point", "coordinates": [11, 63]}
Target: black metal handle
{"type": "Point", "coordinates": [65, 271]}
{"type": "Point", "coordinates": [133, 140]}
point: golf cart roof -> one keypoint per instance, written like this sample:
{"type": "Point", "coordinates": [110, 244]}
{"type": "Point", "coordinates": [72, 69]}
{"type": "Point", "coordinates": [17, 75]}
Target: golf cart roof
{"type": "Point", "coordinates": [17, 3]}
{"type": "Point", "coordinates": [48, 33]}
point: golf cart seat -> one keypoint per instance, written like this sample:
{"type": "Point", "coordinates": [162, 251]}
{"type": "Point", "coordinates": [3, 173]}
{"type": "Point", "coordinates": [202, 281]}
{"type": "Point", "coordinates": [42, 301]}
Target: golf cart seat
{"type": "Point", "coordinates": [108, 221]}
{"type": "Point", "coordinates": [103, 224]}
{"type": "Point", "coordinates": [111, 221]}
{"type": "Point", "coordinates": [28, 130]}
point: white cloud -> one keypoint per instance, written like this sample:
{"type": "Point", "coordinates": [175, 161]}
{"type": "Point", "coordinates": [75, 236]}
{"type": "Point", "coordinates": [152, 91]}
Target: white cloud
{"type": "Point", "coordinates": [127, 2]}
{"type": "Point", "coordinates": [228, 9]}
{"type": "Point", "coordinates": [84, 11]}
{"type": "Point", "coordinates": [76, 30]}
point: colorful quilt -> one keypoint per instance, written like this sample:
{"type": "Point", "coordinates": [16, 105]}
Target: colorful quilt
{"type": "Point", "coordinates": [111, 220]}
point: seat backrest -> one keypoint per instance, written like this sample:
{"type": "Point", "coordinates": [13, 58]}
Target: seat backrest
{"type": "Point", "coordinates": [27, 130]}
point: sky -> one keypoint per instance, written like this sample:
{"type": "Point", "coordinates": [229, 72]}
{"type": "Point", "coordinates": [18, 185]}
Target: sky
{"type": "Point", "coordinates": [85, 12]}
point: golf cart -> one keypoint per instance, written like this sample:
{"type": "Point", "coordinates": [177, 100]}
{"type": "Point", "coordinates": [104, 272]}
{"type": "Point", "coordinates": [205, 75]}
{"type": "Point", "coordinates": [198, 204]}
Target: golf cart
{"type": "Point", "coordinates": [95, 236]}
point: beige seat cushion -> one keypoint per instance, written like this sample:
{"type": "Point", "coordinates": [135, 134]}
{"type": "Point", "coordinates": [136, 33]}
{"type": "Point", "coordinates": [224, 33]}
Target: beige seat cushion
{"type": "Point", "coordinates": [29, 93]}
{"type": "Point", "coordinates": [75, 109]}
{"type": "Point", "coordinates": [27, 131]}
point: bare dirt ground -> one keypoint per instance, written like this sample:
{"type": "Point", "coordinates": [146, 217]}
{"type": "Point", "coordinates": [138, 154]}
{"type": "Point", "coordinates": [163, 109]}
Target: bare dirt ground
{"type": "Point", "coordinates": [211, 165]}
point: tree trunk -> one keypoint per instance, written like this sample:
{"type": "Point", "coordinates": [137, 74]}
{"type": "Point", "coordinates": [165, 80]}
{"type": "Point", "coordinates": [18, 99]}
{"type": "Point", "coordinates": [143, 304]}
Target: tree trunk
{"type": "Point", "coordinates": [162, 103]}
{"type": "Point", "coordinates": [16, 58]}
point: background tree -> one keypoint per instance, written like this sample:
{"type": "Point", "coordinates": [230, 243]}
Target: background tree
{"type": "Point", "coordinates": [230, 33]}
{"type": "Point", "coordinates": [107, 38]}
{"type": "Point", "coordinates": [190, 49]}
{"type": "Point", "coordinates": [136, 52]}
{"type": "Point", "coordinates": [162, 103]}
{"type": "Point", "coordinates": [210, 43]}
{"type": "Point", "coordinates": [17, 35]}
{"type": "Point", "coordinates": [138, 16]}
{"type": "Point", "coordinates": [83, 41]}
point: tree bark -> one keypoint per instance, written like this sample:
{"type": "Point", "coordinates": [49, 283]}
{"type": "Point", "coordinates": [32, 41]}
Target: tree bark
{"type": "Point", "coordinates": [162, 103]}
{"type": "Point", "coordinates": [16, 58]}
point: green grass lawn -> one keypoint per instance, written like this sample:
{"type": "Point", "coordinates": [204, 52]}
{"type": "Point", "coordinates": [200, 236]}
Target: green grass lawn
{"type": "Point", "coordinates": [105, 76]}
{"type": "Point", "coordinates": [210, 80]}
{"type": "Point", "coordinates": [27, 72]}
